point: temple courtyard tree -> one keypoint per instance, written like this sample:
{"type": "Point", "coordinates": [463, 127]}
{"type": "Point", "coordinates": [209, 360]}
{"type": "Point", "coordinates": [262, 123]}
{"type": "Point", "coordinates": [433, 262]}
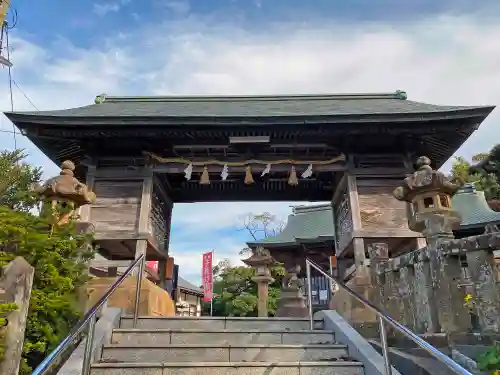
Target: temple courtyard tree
{"type": "Point", "coordinates": [16, 180]}
{"type": "Point", "coordinates": [235, 292]}
{"type": "Point", "coordinates": [58, 254]}
{"type": "Point", "coordinates": [481, 172]}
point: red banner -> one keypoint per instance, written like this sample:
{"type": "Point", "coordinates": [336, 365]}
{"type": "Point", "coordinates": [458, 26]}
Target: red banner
{"type": "Point", "coordinates": [153, 264]}
{"type": "Point", "coordinates": [206, 276]}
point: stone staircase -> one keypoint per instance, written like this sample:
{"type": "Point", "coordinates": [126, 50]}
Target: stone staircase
{"type": "Point", "coordinates": [223, 346]}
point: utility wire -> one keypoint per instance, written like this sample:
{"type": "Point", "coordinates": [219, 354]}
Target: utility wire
{"type": "Point", "coordinates": [25, 95]}
{"type": "Point", "coordinates": [10, 131]}
{"type": "Point", "coordinates": [6, 29]}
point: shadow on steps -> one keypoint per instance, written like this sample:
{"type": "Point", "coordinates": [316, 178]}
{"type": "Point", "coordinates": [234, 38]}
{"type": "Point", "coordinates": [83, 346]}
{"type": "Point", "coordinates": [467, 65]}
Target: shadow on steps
{"type": "Point", "coordinates": [415, 361]}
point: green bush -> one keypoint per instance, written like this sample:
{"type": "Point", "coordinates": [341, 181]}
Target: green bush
{"type": "Point", "coordinates": [58, 254]}
{"type": "Point", "coordinates": [5, 309]}
{"type": "Point", "coordinates": [490, 360]}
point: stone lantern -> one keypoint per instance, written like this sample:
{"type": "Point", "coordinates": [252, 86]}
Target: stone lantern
{"type": "Point", "coordinates": [260, 261]}
{"type": "Point", "coordinates": [429, 194]}
{"type": "Point", "coordinates": [64, 194]}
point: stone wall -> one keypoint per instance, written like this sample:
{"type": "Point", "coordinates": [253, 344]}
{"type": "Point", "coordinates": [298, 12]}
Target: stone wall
{"type": "Point", "coordinates": [426, 289]}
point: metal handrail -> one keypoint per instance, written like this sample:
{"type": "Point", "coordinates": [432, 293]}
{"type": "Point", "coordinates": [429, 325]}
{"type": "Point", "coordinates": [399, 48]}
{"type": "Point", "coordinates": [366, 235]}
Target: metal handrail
{"type": "Point", "coordinates": [90, 319]}
{"type": "Point", "coordinates": [382, 317]}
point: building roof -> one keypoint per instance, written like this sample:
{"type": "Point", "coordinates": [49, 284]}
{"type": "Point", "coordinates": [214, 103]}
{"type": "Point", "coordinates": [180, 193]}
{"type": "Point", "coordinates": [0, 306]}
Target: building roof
{"type": "Point", "coordinates": [120, 129]}
{"type": "Point", "coordinates": [186, 285]}
{"type": "Point", "coordinates": [249, 106]}
{"type": "Point", "coordinates": [315, 223]}
{"type": "Point", "coordinates": [473, 208]}
{"type": "Point", "coordinates": [305, 224]}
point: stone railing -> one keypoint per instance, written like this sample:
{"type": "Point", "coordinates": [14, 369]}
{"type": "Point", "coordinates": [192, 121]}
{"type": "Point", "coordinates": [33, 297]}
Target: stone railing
{"type": "Point", "coordinates": [441, 288]}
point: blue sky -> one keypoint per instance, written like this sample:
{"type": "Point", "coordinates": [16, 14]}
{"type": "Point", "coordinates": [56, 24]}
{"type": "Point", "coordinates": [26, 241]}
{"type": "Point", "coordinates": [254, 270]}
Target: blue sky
{"type": "Point", "coordinates": [67, 52]}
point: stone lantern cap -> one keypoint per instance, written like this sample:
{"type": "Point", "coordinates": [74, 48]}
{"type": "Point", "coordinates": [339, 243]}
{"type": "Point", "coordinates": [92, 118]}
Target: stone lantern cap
{"type": "Point", "coordinates": [259, 257]}
{"type": "Point", "coordinates": [426, 180]}
{"type": "Point", "coordinates": [67, 187]}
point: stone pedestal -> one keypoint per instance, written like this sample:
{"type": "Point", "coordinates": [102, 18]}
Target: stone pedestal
{"type": "Point", "coordinates": [263, 293]}
{"type": "Point", "coordinates": [260, 261]}
{"type": "Point", "coordinates": [292, 302]}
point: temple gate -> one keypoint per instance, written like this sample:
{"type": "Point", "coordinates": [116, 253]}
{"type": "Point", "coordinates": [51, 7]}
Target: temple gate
{"type": "Point", "coordinates": [141, 155]}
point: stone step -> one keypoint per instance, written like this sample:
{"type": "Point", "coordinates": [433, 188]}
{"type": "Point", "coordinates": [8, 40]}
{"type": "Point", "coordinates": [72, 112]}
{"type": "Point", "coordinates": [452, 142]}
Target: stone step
{"type": "Point", "coordinates": [218, 323]}
{"type": "Point", "coordinates": [227, 353]}
{"type": "Point", "coordinates": [230, 368]}
{"type": "Point", "coordinates": [221, 337]}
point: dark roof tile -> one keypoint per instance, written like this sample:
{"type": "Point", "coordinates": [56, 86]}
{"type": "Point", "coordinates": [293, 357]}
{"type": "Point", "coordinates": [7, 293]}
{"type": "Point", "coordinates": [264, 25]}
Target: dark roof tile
{"type": "Point", "coordinates": [184, 284]}
{"type": "Point", "coordinates": [250, 106]}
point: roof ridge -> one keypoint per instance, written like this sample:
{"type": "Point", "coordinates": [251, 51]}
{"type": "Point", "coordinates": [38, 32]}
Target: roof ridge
{"type": "Point", "coordinates": [102, 98]}
{"type": "Point", "coordinates": [312, 208]}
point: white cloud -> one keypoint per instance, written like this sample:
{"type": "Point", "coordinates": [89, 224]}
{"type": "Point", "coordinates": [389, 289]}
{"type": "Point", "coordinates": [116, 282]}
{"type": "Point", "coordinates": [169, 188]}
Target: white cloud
{"type": "Point", "coordinates": [441, 60]}
{"type": "Point", "coordinates": [101, 9]}
{"type": "Point", "coordinates": [180, 7]}
{"type": "Point", "coordinates": [189, 259]}
{"type": "Point", "coordinates": [229, 214]}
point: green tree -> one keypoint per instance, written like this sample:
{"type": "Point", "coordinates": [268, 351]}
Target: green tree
{"type": "Point", "coordinates": [482, 180]}
{"type": "Point", "coordinates": [235, 292]}
{"type": "Point", "coordinates": [58, 253]}
{"type": "Point", "coordinates": [16, 180]}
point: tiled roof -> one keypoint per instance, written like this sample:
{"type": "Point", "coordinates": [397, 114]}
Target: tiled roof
{"type": "Point", "coordinates": [306, 223]}
{"type": "Point", "coordinates": [184, 284]}
{"type": "Point", "coordinates": [315, 223]}
{"type": "Point", "coordinates": [250, 106]}
{"type": "Point", "coordinates": [473, 207]}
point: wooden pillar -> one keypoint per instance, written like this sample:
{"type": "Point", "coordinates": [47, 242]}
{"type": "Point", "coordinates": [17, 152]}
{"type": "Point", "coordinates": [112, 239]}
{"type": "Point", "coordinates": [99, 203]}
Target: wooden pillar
{"type": "Point", "coordinates": [89, 181]}
{"type": "Point", "coordinates": [358, 243]}
{"type": "Point", "coordinates": [144, 211]}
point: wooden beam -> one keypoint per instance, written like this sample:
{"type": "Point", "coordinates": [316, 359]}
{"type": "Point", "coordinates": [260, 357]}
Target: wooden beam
{"type": "Point", "coordinates": [110, 263]}
{"type": "Point", "coordinates": [386, 233]}
{"type": "Point", "coordinates": [201, 146]}
{"type": "Point", "coordinates": [161, 191]}
{"type": "Point", "coordinates": [122, 173]}
{"type": "Point", "coordinates": [339, 189]}
{"type": "Point", "coordinates": [380, 172]}
{"type": "Point", "coordinates": [387, 182]}
{"type": "Point", "coordinates": [352, 190]}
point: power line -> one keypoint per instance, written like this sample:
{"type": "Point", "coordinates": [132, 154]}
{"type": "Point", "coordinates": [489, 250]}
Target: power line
{"type": "Point", "coordinates": [6, 29]}
{"type": "Point", "coordinates": [10, 131]}
{"type": "Point", "coordinates": [25, 95]}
